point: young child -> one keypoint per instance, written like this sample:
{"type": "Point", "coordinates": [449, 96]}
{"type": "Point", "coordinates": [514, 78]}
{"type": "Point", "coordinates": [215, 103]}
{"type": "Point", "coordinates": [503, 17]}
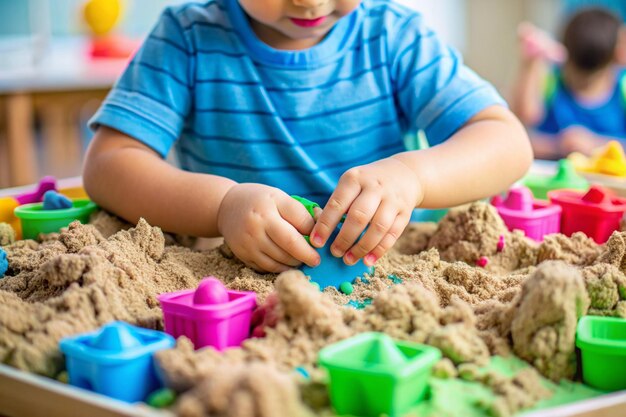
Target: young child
{"type": "Point", "coordinates": [267, 98]}
{"type": "Point", "coordinates": [580, 103]}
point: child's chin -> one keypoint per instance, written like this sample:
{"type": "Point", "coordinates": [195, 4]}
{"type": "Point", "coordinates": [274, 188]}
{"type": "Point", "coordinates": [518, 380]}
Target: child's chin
{"type": "Point", "coordinates": [307, 34]}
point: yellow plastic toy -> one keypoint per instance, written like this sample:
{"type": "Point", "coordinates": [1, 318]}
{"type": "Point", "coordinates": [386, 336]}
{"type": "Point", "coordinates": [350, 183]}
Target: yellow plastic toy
{"type": "Point", "coordinates": [7, 205]}
{"type": "Point", "coordinates": [102, 17]}
{"type": "Point", "coordinates": [608, 160]}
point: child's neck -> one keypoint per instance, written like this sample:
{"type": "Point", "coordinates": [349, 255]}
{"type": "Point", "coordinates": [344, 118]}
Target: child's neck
{"type": "Point", "coordinates": [278, 40]}
{"type": "Point", "coordinates": [589, 86]}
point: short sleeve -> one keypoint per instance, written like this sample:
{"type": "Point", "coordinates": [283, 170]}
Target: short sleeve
{"type": "Point", "coordinates": [152, 99]}
{"type": "Point", "coordinates": [436, 92]}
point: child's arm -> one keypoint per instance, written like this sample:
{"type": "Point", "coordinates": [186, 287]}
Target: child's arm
{"type": "Point", "coordinates": [483, 158]}
{"type": "Point", "coordinates": [537, 51]}
{"type": "Point", "coordinates": [262, 225]}
{"type": "Point", "coordinates": [546, 146]}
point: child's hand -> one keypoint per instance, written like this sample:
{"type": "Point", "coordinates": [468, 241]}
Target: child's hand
{"type": "Point", "coordinates": [382, 195]}
{"type": "Point", "coordinates": [264, 228]}
{"type": "Point", "coordinates": [538, 44]}
{"type": "Point", "coordinates": [579, 139]}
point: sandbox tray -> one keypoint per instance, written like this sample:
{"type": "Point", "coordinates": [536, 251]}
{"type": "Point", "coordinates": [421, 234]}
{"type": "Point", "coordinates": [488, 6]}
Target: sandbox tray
{"type": "Point", "coordinates": [28, 395]}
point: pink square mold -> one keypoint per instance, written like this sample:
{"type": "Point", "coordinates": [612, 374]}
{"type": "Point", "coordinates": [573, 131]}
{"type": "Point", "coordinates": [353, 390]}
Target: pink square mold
{"type": "Point", "coordinates": [520, 211]}
{"type": "Point", "coordinates": [210, 315]}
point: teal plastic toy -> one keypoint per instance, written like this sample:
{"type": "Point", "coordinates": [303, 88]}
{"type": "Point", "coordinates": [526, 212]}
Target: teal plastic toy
{"type": "Point", "coordinates": [565, 178]}
{"type": "Point", "coordinates": [372, 375]}
{"type": "Point", "coordinates": [36, 220]}
{"type": "Point", "coordinates": [332, 271]}
{"type": "Point", "coordinates": [602, 343]}
{"type": "Point", "coordinates": [4, 263]}
{"type": "Point", "coordinates": [52, 200]}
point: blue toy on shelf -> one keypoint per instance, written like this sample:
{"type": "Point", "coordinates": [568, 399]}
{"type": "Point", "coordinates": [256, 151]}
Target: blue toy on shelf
{"type": "Point", "coordinates": [116, 360]}
{"type": "Point", "coordinates": [55, 201]}
{"type": "Point", "coordinates": [332, 271]}
{"type": "Point", "coordinates": [4, 264]}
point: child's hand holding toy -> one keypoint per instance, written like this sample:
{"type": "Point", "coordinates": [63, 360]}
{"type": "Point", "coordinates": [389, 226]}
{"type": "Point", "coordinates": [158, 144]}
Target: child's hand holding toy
{"type": "Point", "coordinates": [537, 44]}
{"type": "Point", "coordinates": [264, 228]}
{"type": "Point", "coordinates": [380, 197]}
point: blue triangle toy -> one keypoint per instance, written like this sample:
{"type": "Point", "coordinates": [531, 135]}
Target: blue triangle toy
{"type": "Point", "coordinates": [332, 271]}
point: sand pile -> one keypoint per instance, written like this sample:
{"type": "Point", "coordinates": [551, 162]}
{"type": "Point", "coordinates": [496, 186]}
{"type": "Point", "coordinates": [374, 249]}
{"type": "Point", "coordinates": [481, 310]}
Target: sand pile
{"type": "Point", "coordinates": [79, 280]}
{"type": "Point", "coordinates": [427, 290]}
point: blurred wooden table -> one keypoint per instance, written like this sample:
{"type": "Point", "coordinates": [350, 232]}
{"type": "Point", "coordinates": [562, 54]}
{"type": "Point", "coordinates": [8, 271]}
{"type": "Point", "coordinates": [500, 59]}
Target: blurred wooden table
{"type": "Point", "coordinates": [65, 88]}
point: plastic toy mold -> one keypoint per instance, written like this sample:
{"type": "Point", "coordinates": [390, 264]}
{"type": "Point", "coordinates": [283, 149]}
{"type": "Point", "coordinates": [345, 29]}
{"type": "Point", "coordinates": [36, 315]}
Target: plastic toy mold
{"type": "Point", "coordinates": [116, 361]}
{"type": "Point", "coordinates": [4, 264]}
{"type": "Point", "coordinates": [565, 178]}
{"type": "Point", "coordinates": [520, 211]}
{"type": "Point", "coordinates": [602, 343]}
{"type": "Point", "coordinates": [371, 375]}
{"type": "Point", "coordinates": [608, 160]}
{"type": "Point", "coordinates": [46, 184]}
{"type": "Point", "coordinates": [211, 315]}
{"type": "Point", "coordinates": [332, 271]}
{"type": "Point", "coordinates": [36, 220]}
{"type": "Point", "coordinates": [55, 201]}
{"type": "Point", "coordinates": [597, 213]}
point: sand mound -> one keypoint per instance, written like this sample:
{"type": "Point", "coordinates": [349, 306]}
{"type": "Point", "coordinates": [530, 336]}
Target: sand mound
{"type": "Point", "coordinates": [547, 310]}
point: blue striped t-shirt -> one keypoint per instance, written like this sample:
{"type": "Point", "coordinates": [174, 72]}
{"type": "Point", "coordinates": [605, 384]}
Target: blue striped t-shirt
{"type": "Point", "coordinates": [233, 106]}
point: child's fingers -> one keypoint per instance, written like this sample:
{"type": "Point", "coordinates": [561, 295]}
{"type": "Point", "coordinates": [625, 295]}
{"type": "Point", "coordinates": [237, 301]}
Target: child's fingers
{"type": "Point", "coordinates": [293, 243]}
{"type": "Point", "coordinates": [296, 215]}
{"type": "Point", "coordinates": [317, 211]}
{"type": "Point", "coordinates": [379, 227]}
{"type": "Point", "coordinates": [274, 251]}
{"type": "Point", "coordinates": [340, 201]}
{"type": "Point", "coordinates": [359, 216]}
{"type": "Point", "coordinates": [263, 263]}
{"type": "Point", "coordinates": [388, 240]}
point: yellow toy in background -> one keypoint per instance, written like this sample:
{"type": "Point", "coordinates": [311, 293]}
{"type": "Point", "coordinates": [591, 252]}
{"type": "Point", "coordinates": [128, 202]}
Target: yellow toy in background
{"type": "Point", "coordinates": [102, 17]}
{"type": "Point", "coordinates": [609, 160]}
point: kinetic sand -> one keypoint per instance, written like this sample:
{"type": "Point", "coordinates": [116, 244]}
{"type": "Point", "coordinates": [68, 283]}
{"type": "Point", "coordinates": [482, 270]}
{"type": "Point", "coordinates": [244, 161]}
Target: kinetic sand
{"type": "Point", "coordinates": [524, 303]}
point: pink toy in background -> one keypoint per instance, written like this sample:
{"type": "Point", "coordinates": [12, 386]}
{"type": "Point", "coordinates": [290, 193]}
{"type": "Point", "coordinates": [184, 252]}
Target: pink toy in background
{"type": "Point", "coordinates": [211, 315]}
{"type": "Point", "coordinates": [520, 211]}
{"type": "Point", "coordinates": [597, 213]}
{"type": "Point", "coordinates": [46, 184]}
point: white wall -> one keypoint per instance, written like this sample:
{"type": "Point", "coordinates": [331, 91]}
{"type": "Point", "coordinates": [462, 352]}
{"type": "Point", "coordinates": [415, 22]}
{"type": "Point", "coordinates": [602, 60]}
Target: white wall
{"type": "Point", "coordinates": [492, 48]}
{"type": "Point", "coordinates": [446, 17]}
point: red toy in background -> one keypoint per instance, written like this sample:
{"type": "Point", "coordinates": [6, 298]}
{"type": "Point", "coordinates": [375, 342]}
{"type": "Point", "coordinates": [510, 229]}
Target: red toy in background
{"type": "Point", "coordinates": [598, 213]}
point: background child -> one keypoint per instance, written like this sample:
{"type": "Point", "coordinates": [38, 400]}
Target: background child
{"type": "Point", "coordinates": [573, 95]}
{"type": "Point", "coordinates": [267, 98]}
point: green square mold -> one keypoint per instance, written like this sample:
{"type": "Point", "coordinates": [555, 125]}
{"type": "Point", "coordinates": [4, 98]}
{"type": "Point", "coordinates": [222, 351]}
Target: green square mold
{"type": "Point", "coordinates": [371, 374]}
{"type": "Point", "coordinates": [602, 344]}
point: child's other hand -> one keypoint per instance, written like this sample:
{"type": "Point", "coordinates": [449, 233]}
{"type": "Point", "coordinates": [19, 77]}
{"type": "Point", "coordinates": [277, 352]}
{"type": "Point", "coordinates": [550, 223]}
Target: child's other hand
{"type": "Point", "coordinates": [382, 195]}
{"type": "Point", "coordinates": [264, 228]}
{"type": "Point", "coordinates": [579, 139]}
{"type": "Point", "coordinates": [538, 44]}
